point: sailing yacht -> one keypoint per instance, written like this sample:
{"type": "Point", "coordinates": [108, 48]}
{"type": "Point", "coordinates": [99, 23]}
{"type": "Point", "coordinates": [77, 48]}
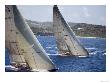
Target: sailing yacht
{"type": "Point", "coordinates": [25, 49]}
{"type": "Point", "coordinates": [66, 40]}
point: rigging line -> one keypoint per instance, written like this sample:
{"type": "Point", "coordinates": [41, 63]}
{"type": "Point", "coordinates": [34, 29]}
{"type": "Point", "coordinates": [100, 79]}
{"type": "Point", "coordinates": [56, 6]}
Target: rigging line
{"type": "Point", "coordinates": [28, 43]}
{"type": "Point", "coordinates": [8, 42]}
{"type": "Point", "coordinates": [70, 40]}
{"type": "Point", "coordinates": [15, 37]}
{"type": "Point", "coordinates": [8, 14]}
{"type": "Point", "coordinates": [29, 50]}
{"type": "Point", "coordinates": [62, 19]}
{"type": "Point", "coordinates": [33, 52]}
{"type": "Point", "coordinates": [17, 42]}
{"type": "Point", "coordinates": [72, 43]}
{"type": "Point", "coordinates": [12, 47]}
{"type": "Point", "coordinates": [34, 60]}
{"type": "Point", "coordinates": [57, 16]}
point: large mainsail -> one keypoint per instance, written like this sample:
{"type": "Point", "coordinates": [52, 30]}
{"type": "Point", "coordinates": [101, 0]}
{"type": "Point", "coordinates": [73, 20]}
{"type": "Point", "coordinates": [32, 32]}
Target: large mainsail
{"type": "Point", "coordinates": [67, 42]}
{"type": "Point", "coordinates": [23, 45]}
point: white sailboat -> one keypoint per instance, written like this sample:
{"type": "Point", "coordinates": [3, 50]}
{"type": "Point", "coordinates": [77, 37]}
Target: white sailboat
{"type": "Point", "coordinates": [67, 42]}
{"type": "Point", "coordinates": [25, 49]}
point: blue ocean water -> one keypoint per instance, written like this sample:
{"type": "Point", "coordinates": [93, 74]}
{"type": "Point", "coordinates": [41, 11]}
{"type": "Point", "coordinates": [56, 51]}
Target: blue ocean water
{"type": "Point", "coordinates": [96, 62]}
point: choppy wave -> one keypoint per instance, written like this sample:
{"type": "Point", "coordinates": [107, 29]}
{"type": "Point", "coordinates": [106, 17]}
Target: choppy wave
{"type": "Point", "coordinates": [94, 63]}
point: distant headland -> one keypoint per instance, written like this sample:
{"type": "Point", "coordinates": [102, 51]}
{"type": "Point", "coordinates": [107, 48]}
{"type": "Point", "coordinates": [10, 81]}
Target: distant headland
{"type": "Point", "coordinates": [80, 29]}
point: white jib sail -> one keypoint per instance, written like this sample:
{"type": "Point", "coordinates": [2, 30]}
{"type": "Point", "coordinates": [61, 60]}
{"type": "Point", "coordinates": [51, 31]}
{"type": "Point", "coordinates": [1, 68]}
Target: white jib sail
{"type": "Point", "coordinates": [22, 43]}
{"type": "Point", "coordinates": [67, 42]}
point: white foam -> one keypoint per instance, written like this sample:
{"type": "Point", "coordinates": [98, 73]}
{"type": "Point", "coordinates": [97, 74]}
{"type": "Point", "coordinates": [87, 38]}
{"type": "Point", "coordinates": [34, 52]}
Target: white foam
{"type": "Point", "coordinates": [11, 67]}
{"type": "Point", "coordinates": [39, 70]}
{"type": "Point", "coordinates": [53, 54]}
{"type": "Point", "coordinates": [48, 47]}
{"type": "Point", "coordinates": [92, 48]}
{"type": "Point", "coordinates": [86, 37]}
{"type": "Point", "coordinates": [90, 37]}
{"type": "Point", "coordinates": [104, 54]}
{"type": "Point", "coordinates": [82, 56]}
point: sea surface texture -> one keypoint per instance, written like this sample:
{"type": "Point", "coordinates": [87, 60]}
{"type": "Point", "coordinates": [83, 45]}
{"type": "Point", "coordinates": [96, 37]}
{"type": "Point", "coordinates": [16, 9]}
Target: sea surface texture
{"type": "Point", "coordinates": [95, 62]}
